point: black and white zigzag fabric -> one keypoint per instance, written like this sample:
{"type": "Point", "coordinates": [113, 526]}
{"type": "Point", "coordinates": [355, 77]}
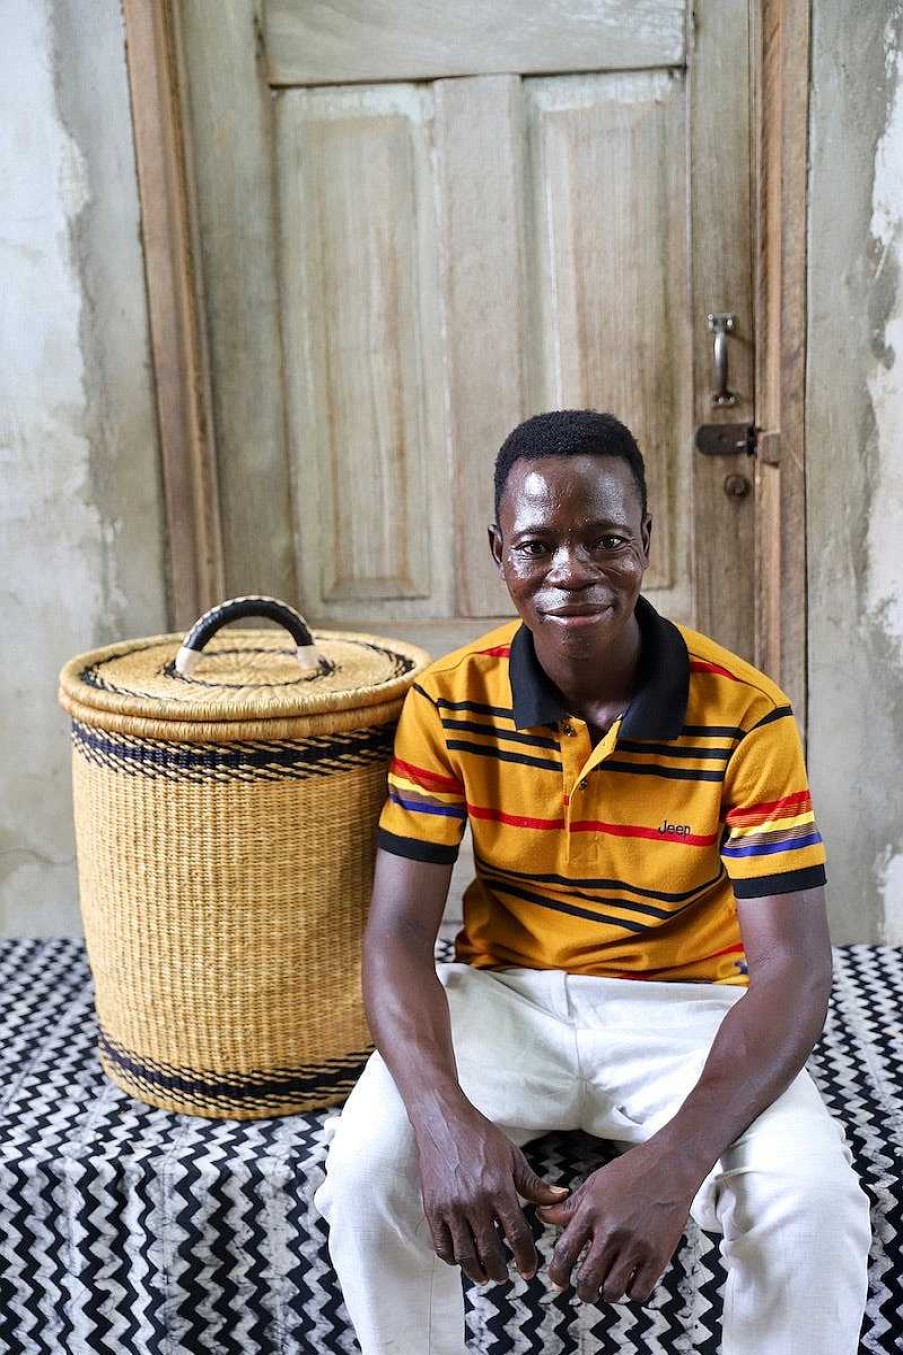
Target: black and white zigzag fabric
{"type": "Point", "coordinates": [126, 1230]}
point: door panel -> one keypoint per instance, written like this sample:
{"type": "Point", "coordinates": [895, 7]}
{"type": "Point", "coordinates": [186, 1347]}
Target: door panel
{"type": "Point", "coordinates": [360, 314]}
{"type": "Point", "coordinates": [337, 41]}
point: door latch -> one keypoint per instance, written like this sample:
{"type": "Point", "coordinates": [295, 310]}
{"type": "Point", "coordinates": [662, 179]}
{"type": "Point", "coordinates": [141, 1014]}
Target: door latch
{"type": "Point", "coordinates": [727, 439]}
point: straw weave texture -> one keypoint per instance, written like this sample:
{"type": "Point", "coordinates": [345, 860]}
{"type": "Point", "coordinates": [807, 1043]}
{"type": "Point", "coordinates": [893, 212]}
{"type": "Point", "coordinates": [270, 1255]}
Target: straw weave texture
{"type": "Point", "coordinates": [224, 880]}
{"type": "Point", "coordinates": [244, 676]}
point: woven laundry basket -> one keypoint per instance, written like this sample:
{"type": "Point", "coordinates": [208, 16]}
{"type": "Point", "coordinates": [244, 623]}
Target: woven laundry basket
{"type": "Point", "coordinates": [226, 789]}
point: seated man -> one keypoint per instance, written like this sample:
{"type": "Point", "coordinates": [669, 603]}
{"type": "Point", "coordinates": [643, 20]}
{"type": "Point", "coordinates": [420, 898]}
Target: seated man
{"type": "Point", "coordinates": [645, 953]}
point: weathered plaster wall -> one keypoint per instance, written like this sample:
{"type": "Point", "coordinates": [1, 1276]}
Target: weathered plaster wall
{"type": "Point", "coordinates": [855, 461]}
{"type": "Point", "coordinates": [81, 534]}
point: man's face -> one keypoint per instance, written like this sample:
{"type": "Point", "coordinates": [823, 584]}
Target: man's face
{"type": "Point", "coordinates": [572, 545]}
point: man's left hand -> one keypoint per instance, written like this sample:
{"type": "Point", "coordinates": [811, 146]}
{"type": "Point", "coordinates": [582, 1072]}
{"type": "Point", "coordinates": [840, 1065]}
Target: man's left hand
{"type": "Point", "coordinates": [632, 1212]}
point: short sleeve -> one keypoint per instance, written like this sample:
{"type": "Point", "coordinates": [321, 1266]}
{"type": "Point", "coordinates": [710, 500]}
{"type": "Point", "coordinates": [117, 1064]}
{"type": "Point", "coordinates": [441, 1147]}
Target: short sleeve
{"type": "Point", "coordinates": [425, 814]}
{"type": "Point", "coordinates": [770, 842]}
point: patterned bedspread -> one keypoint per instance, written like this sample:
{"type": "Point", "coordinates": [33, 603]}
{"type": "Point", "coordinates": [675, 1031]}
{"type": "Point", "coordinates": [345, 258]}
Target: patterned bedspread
{"type": "Point", "coordinates": [126, 1230]}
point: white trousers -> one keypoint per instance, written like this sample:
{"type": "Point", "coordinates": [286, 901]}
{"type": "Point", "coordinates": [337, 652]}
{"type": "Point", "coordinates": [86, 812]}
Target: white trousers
{"type": "Point", "coordinates": [538, 1050]}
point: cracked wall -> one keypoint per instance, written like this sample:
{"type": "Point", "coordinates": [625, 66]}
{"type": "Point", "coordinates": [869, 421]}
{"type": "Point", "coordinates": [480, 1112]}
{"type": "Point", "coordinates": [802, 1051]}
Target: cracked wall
{"type": "Point", "coordinates": [81, 509]}
{"type": "Point", "coordinates": [855, 462]}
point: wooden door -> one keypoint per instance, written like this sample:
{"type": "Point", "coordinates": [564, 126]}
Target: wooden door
{"type": "Point", "coordinates": [415, 226]}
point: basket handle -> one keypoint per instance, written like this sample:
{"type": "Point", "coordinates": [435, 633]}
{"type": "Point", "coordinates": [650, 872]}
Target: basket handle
{"type": "Point", "coordinates": [235, 609]}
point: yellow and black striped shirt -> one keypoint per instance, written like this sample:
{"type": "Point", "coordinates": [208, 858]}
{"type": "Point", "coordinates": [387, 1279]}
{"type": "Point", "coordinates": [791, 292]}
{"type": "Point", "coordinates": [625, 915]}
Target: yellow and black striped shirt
{"type": "Point", "coordinates": [622, 859]}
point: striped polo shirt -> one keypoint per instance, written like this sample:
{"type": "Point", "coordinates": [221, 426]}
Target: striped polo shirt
{"type": "Point", "coordinates": [623, 859]}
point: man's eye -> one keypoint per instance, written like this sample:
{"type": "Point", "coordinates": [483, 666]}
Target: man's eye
{"type": "Point", "coordinates": [611, 542]}
{"type": "Point", "coordinates": [531, 547]}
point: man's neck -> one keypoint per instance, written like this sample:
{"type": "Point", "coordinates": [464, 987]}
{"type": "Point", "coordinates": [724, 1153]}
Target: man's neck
{"type": "Point", "coordinates": [596, 682]}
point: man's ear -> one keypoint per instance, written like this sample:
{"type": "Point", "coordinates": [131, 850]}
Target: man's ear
{"type": "Point", "coordinates": [646, 534]}
{"type": "Point", "coordinates": [495, 545]}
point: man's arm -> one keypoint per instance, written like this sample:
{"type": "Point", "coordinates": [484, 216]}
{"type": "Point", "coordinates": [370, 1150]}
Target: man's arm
{"type": "Point", "coordinates": [633, 1211]}
{"type": "Point", "coordinates": [470, 1171]}
{"type": "Point", "coordinates": [406, 1007]}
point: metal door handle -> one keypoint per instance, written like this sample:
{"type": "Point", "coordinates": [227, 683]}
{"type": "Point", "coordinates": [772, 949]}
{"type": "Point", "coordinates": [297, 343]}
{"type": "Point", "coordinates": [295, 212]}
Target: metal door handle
{"type": "Point", "coordinates": [721, 323]}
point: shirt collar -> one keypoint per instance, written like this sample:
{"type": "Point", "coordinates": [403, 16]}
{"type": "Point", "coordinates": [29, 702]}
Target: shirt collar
{"type": "Point", "coordinates": [658, 708]}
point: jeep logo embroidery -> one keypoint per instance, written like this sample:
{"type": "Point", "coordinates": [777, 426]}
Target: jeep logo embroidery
{"type": "Point", "coordinates": [667, 827]}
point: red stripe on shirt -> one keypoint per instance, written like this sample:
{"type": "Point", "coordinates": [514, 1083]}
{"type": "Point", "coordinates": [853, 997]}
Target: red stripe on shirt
{"type": "Point", "coordinates": [703, 666]}
{"type": "Point", "coordinates": [784, 808]}
{"type": "Point", "coordinates": [497, 652]}
{"type": "Point", "coordinates": [653, 834]}
{"type": "Point", "coordinates": [429, 780]}
{"type": "Point", "coordinates": [514, 820]}
{"type": "Point", "coordinates": [590, 826]}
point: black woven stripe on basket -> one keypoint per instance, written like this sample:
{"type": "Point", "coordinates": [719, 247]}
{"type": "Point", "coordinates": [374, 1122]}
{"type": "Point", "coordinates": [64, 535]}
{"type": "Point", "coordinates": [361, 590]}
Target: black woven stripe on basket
{"type": "Point", "coordinates": [247, 760]}
{"type": "Point", "coordinates": [261, 1088]}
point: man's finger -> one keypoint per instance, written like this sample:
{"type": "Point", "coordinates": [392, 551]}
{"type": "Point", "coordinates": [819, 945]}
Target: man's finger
{"type": "Point", "coordinates": [642, 1286]}
{"type": "Point", "coordinates": [615, 1284]}
{"type": "Point", "coordinates": [489, 1247]}
{"type": "Point", "coordinates": [466, 1254]}
{"type": "Point", "coordinates": [533, 1187]}
{"type": "Point", "coordinates": [443, 1245]}
{"type": "Point", "coordinates": [597, 1267]}
{"type": "Point", "coordinates": [555, 1213]}
{"type": "Point", "coordinates": [567, 1250]}
{"type": "Point", "coordinates": [519, 1236]}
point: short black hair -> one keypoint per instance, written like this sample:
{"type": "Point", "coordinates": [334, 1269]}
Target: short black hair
{"type": "Point", "coordinates": [569, 432]}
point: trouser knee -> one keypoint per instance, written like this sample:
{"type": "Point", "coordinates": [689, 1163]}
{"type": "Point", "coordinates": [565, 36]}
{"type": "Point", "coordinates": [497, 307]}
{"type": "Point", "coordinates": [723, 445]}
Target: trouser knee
{"type": "Point", "coordinates": [822, 1201]}
{"type": "Point", "coordinates": [369, 1189]}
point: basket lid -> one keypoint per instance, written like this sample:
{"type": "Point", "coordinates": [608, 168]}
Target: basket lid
{"type": "Point", "coordinates": [247, 675]}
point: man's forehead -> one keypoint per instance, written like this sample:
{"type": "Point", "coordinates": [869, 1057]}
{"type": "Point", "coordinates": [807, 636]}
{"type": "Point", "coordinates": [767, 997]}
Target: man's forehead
{"type": "Point", "coordinates": [533, 484]}
{"type": "Point", "coordinates": [533, 473]}
{"type": "Point", "coordinates": [604, 478]}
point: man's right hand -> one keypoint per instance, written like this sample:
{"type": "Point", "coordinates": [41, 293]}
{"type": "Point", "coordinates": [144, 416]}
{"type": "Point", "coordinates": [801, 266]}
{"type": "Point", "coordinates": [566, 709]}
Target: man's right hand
{"type": "Point", "coordinates": [471, 1174]}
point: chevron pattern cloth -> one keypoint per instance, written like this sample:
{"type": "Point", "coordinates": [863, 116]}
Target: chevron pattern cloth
{"type": "Point", "coordinates": [126, 1230]}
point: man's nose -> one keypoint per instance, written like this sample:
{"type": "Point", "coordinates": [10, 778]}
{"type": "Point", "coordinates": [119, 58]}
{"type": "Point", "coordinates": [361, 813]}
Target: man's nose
{"type": "Point", "coordinates": [570, 568]}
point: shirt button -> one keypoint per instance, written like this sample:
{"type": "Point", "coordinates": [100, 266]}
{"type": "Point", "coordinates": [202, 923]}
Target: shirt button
{"type": "Point", "coordinates": [567, 727]}
{"type": "Point", "coordinates": [584, 783]}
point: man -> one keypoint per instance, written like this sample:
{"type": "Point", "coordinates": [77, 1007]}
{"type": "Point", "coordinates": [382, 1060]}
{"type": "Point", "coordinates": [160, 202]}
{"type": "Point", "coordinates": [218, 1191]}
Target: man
{"type": "Point", "coordinates": [645, 953]}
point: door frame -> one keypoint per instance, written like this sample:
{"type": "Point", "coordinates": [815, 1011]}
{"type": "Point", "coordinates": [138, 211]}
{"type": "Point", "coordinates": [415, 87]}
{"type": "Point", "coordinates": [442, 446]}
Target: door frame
{"type": "Point", "coordinates": [189, 411]}
{"type": "Point", "coordinates": [175, 304]}
{"type": "Point", "coordinates": [781, 37]}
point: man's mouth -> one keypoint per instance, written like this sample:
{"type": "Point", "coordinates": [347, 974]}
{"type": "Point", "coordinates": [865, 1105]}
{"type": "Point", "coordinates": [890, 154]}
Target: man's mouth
{"type": "Point", "coordinates": [576, 614]}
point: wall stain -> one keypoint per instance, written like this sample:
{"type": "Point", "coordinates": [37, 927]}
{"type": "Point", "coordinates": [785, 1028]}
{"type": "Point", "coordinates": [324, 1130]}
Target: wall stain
{"type": "Point", "coordinates": [855, 672]}
{"type": "Point", "coordinates": [884, 549]}
{"type": "Point", "coordinates": [124, 473]}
